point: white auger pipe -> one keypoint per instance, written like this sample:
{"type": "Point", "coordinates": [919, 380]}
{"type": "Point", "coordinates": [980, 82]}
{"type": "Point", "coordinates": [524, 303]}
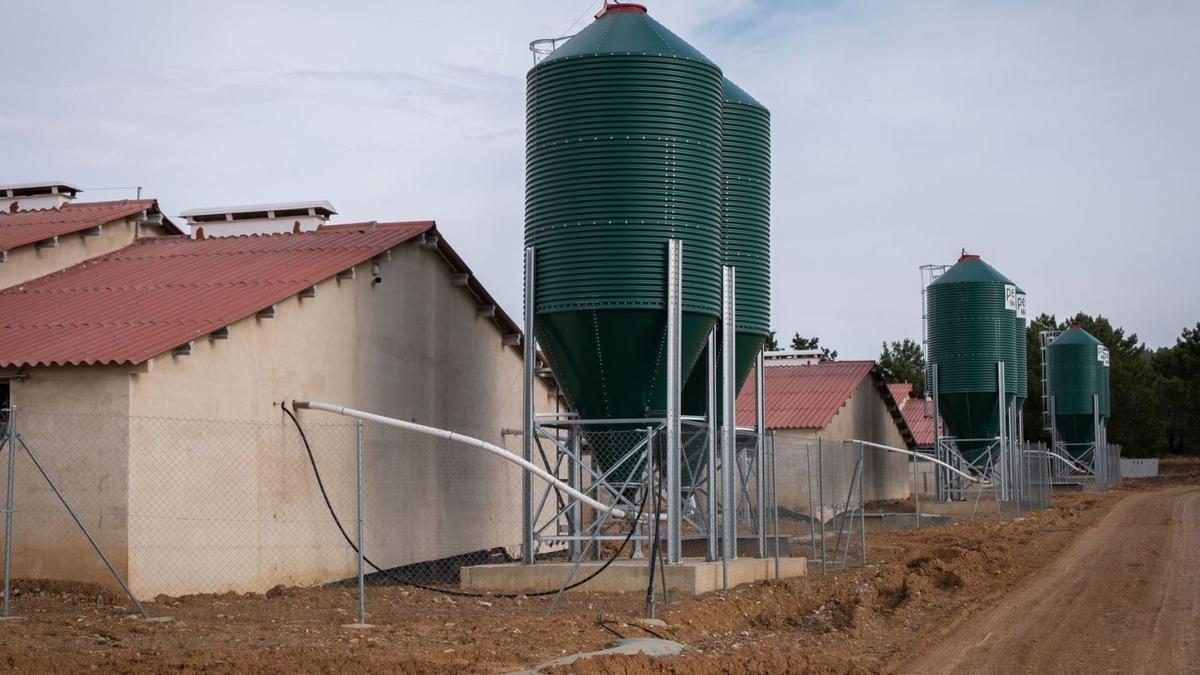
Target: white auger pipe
{"type": "Point", "coordinates": [926, 458]}
{"type": "Point", "coordinates": [1069, 462]}
{"type": "Point", "coordinates": [466, 440]}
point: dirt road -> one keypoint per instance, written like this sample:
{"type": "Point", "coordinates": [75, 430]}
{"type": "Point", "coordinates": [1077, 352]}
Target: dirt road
{"type": "Point", "coordinates": [1125, 597]}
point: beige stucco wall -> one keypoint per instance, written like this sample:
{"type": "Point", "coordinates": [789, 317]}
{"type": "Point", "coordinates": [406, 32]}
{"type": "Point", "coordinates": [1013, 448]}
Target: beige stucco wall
{"type": "Point", "coordinates": [215, 489]}
{"type": "Point", "coordinates": [863, 417]}
{"type": "Point", "coordinates": [29, 262]}
{"type": "Point", "coordinates": [410, 347]}
{"type": "Point", "coordinates": [74, 420]}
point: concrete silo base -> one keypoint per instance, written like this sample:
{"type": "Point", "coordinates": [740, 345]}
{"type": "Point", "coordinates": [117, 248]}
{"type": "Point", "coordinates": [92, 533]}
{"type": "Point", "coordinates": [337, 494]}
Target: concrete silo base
{"type": "Point", "coordinates": [693, 576]}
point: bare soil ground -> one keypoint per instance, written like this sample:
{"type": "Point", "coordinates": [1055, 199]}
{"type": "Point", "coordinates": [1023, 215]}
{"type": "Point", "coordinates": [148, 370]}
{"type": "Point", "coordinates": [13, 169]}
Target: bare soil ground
{"type": "Point", "coordinates": [924, 595]}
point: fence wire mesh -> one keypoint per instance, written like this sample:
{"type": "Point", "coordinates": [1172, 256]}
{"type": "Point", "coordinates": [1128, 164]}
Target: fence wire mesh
{"type": "Point", "coordinates": [820, 496]}
{"type": "Point", "coordinates": [187, 506]}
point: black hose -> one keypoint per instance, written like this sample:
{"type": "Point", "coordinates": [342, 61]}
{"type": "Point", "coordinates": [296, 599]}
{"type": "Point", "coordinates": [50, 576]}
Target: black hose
{"type": "Point", "coordinates": [387, 574]}
{"type": "Point", "coordinates": [654, 542]}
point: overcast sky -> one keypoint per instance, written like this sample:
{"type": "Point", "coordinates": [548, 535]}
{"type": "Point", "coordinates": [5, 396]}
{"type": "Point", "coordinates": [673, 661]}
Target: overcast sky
{"type": "Point", "coordinates": [1060, 140]}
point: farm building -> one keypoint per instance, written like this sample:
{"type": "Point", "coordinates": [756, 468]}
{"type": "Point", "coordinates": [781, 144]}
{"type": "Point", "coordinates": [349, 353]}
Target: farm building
{"type": "Point", "coordinates": [918, 414]}
{"type": "Point", "coordinates": [149, 381]}
{"type": "Point", "coordinates": [831, 402]}
{"type": "Point", "coordinates": [42, 228]}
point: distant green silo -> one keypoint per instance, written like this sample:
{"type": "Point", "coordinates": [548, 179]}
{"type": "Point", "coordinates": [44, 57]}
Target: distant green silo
{"type": "Point", "coordinates": [623, 153]}
{"type": "Point", "coordinates": [1078, 369]}
{"type": "Point", "coordinates": [970, 329]}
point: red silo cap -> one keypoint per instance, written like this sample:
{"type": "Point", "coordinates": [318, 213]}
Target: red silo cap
{"type": "Point", "coordinates": [621, 7]}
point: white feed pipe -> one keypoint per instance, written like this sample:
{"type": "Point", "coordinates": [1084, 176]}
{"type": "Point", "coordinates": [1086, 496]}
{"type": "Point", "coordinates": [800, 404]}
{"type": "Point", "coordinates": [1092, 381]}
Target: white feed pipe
{"type": "Point", "coordinates": [619, 514]}
{"type": "Point", "coordinates": [1068, 462]}
{"type": "Point", "coordinates": [926, 458]}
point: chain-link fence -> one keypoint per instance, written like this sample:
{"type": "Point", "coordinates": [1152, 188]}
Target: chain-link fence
{"type": "Point", "coordinates": [1036, 478]}
{"type": "Point", "coordinates": [183, 506]}
{"type": "Point", "coordinates": [819, 492]}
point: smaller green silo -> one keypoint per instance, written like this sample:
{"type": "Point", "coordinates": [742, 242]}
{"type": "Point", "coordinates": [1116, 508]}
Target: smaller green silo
{"type": "Point", "coordinates": [971, 328]}
{"type": "Point", "coordinates": [1078, 374]}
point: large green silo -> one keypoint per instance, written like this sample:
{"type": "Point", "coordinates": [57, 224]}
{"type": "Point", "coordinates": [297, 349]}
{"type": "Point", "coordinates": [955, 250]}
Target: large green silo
{"type": "Point", "coordinates": [623, 153]}
{"type": "Point", "coordinates": [971, 328]}
{"type": "Point", "coordinates": [745, 234]}
{"type": "Point", "coordinates": [1078, 370]}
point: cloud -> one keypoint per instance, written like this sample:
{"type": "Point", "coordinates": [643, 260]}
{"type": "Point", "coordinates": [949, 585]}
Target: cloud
{"type": "Point", "coordinates": [1057, 139]}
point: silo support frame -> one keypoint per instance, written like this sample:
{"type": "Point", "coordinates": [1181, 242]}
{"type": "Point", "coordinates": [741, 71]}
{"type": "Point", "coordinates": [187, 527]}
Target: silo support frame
{"type": "Point", "coordinates": [729, 467]}
{"type": "Point", "coordinates": [528, 422]}
{"type": "Point", "coordinates": [713, 552]}
{"type": "Point", "coordinates": [674, 387]}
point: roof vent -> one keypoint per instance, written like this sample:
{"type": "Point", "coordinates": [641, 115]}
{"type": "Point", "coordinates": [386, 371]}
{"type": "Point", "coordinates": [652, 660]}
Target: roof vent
{"type": "Point", "coordinates": [792, 357]}
{"type": "Point", "coordinates": [31, 196]}
{"type": "Point", "coordinates": [230, 221]}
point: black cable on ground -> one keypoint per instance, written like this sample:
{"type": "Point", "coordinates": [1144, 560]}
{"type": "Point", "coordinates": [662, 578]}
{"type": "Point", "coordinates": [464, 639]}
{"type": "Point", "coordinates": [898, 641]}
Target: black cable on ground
{"type": "Point", "coordinates": [387, 574]}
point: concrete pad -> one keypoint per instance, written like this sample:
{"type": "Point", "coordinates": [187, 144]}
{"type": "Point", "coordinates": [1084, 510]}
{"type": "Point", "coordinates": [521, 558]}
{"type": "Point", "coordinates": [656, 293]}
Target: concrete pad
{"type": "Point", "coordinates": [693, 576]}
{"type": "Point", "coordinates": [648, 646]}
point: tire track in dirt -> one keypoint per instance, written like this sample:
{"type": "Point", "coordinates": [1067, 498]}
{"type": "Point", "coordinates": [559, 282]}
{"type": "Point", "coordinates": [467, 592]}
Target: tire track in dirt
{"type": "Point", "coordinates": [1123, 598]}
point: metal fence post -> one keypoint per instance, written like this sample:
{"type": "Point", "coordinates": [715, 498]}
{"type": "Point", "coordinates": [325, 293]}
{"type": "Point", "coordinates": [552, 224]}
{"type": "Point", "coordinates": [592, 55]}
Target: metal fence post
{"type": "Point", "coordinates": [821, 496]}
{"type": "Point", "coordinates": [774, 506]}
{"type": "Point", "coordinates": [8, 504]}
{"type": "Point", "coordinates": [760, 478]}
{"type": "Point", "coordinates": [862, 500]}
{"type": "Point", "coordinates": [358, 467]}
{"type": "Point", "coordinates": [812, 525]}
{"type": "Point", "coordinates": [917, 489]}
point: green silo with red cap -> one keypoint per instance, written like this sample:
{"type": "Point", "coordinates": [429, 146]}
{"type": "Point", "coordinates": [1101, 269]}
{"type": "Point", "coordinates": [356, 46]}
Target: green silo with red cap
{"type": "Point", "coordinates": [972, 326]}
{"type": "Point", "coordinates": [623, 154]}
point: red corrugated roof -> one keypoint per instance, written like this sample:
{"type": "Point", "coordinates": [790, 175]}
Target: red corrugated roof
{"type": "Point", "coordinates": [150, 297]}
{"type": "Point", "coordinates": [900, 392]}
{"type": "Point", "coordinates": [918, 414]}
{"type": "Point", "coordinates": [28, 227]}
{"type": "Point", "coordinates": [803, 397]}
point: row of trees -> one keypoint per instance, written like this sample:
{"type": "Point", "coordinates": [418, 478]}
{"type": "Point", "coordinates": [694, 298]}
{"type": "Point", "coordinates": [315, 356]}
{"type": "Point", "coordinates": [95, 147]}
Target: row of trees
{"type": "Point", "coordinates": [805, 343]}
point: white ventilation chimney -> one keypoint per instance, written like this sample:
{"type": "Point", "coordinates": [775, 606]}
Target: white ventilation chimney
{"type": "Point", "coordinates": [231, 221]}
{"type": "Point", "coordinates": [31, 196]}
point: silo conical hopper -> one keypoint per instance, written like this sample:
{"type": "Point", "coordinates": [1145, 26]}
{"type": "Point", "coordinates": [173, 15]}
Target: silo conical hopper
{"type": "Point", "coordinates": [971, 329]}
{"type": "Point", "coordinates": [623, 153]}
{"type": "Point", "coordinates": [1078, 370]}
